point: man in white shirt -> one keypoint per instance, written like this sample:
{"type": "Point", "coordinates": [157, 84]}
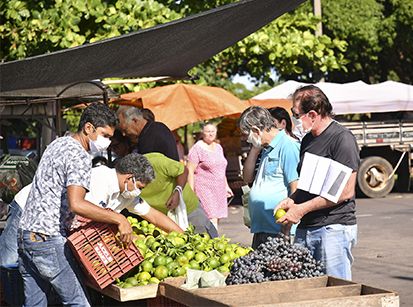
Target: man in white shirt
{"type": "Point", "coordinates": [119, 189]}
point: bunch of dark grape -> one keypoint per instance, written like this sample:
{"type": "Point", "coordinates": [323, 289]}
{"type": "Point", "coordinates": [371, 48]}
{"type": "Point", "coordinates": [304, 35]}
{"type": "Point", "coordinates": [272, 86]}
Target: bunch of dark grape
{"type": "Point", "coordinates": [275, 259]}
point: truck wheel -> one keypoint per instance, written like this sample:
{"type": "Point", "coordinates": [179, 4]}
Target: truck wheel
{"type": "Point", "coordinates": [372, 177]}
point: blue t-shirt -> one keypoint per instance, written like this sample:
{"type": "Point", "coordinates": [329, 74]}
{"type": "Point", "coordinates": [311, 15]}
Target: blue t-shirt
{"type": "Point", "coordinates": [278, 168]}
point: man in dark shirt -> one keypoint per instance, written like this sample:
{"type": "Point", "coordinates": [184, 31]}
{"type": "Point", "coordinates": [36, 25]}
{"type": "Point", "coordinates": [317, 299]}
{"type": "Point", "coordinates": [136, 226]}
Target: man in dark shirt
{"type": "Point", "coordinates": [149, 136]}
{"type": "Point", "coordinates": [328, 229]}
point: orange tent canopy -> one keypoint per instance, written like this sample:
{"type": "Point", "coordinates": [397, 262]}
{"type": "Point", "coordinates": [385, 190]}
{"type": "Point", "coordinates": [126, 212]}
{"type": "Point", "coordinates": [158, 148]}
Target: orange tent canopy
{"type": "Point", "coordinates": [178, 105]}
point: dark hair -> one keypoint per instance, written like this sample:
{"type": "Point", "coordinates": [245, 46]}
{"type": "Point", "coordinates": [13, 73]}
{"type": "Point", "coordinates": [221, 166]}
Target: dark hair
{"type": "Point", "coordinates": [137, 165]}
{"type": "Point", "coordinates": [148, 115]}
{"type": "Point", "coordinates": [98, 161]}
{"type": "Point", "coordinates": [281, 114]}
{"type": "Point", "coordinates": [99, 115]}
{"type": "Point", "coordinates": [310, 98]}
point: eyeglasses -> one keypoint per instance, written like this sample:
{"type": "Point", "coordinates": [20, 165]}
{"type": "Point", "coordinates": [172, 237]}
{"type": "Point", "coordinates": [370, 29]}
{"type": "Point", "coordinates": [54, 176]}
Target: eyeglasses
{"type": "Point", "coordinates": [296, 115]}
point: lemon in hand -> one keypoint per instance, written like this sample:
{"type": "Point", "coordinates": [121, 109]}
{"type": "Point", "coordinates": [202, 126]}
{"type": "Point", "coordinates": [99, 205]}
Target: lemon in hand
{"type": "Point", "coordinates": [279, 214]}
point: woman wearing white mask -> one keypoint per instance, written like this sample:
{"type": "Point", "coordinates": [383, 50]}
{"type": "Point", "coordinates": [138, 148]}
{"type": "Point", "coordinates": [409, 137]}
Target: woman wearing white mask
{"type": "Point", "coordinates": [277, 172]}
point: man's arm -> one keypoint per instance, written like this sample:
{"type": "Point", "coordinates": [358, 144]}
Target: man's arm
{"type": "Point", "coordinates": [249, 164]}
{"type": "Point", "coordinates": [286, 228]}
{"type": "Point", "coordinates": [161, 220]}
{"type": "Point", "coordinates": [173, 200]}
{"type": "Point", "coordinates": [296, 212]}
{"type": "Point", "coordinates": [82, 207]}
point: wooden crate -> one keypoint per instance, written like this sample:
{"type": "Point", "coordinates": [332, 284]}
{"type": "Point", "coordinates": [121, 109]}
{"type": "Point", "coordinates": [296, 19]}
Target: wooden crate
{"type": "Point", "coordinates": [314, 292]}
{"type": "Point", "coordinates": [128, 294]}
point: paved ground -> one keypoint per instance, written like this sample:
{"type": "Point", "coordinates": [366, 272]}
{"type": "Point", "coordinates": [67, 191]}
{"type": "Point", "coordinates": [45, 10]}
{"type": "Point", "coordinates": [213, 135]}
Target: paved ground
{"type": "Point", "coordinates": [384, 254]}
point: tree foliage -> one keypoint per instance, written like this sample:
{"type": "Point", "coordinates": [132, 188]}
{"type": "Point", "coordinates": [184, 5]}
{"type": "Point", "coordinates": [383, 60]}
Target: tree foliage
{"type": "Point", "coordinates": [379, 37]}
{"type": "Point", "coordinates": [369, 40]}
{"type": "Point", "coordinates": [36, 27]}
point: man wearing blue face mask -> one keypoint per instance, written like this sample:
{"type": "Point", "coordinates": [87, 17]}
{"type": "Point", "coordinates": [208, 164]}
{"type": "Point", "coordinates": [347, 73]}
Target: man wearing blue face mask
{"type": "Point", "coordinates": [56, 195]}
{"type": "Point", "coordinates": [277, 174]}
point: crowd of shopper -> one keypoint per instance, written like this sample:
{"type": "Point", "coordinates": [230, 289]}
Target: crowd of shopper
{"type": "Point", "coordinates": [149, 178]}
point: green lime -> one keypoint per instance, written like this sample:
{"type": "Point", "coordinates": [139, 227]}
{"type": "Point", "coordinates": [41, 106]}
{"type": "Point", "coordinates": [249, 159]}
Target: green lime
{"type": "Point", "coordinates": [190, 254]}
{"type": "Point", "coordinates": [146, 266]}
{"type": "Point", "coordinates": [225, 258]}
{"type": "Point", "coordinates": [220, 246]}
{"type": "Point", "coordinates": [142, 276]}
{"type": "Point", "coordinates": [154, 280]}
{"type": "Point", "coordinates": [182, 259]}
{"type": "Point", "coordinates": [172, 265]}
{"type": "Point", "coordinates": [200, 257]}
{"type": "Point", "coordinates": [223, 269]}
{"type": "Point", "coordinates": [179, 271]}
{"type": "Point", "coordinates": [279, 214]}
{"type": "Point", "coordinates": [193, 264]}
{"type": "Point", "coordinates": [132, 280]}
{"type": "Point", "coordinates": [161, 272]}
{"type": "Point", "coordinates": [159, 260]}
{"type": "Point", "coordinates": [214, 263]}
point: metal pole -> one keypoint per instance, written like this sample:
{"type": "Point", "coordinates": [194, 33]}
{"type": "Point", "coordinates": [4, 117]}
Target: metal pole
{"type": "Point", "coordinates": [317, 13]}
{"type": "Point", "coordinates": [318, 32]}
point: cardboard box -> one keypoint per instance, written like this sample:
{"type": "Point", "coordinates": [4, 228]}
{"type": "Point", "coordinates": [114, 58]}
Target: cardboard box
{"type": "Point", "coordinates": [314, 292]}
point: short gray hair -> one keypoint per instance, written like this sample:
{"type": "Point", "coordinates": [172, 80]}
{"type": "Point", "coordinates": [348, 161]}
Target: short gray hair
{"type": "Point", "coordinates": [130, 112]}
{"type": "Point", "coordinates": [137, 165]}
{"type": "Point", "coordinates": [256, 117]}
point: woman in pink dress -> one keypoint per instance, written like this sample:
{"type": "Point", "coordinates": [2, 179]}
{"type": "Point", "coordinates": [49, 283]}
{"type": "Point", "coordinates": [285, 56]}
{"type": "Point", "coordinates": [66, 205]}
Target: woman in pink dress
{"type": "Point", "coordinates": [207, 166]}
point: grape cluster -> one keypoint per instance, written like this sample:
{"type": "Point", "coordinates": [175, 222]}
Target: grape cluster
{"type": "Point", "coordinates": [275, 259]}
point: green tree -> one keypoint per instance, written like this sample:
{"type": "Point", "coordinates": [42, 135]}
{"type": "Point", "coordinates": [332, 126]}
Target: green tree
{"type": "Point", "coordinates": [379, 37]}
{"type": "Point", "coordinates": [36, 27]}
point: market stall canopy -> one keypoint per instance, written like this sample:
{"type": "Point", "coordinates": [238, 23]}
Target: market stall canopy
{"type": "Point", "coordinates": [170, 49]}
{"type": "Point", "coordinates": [178, 105]}
{"type": "Point", "coordinates": [354, 97]}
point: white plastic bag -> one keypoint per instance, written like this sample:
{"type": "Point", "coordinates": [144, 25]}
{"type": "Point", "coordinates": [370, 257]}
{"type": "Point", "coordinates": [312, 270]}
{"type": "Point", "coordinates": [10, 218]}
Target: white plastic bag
{"type": "Point", "coordinates": [179, 214]}
{"type": "Point", "coordinates": [244, 198]}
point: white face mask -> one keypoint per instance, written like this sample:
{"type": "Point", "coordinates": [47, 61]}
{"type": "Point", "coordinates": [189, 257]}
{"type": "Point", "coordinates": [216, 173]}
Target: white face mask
{"type": "Point", "coordinates": [255, 141]}
{"type": "Point", "coordinates": [101, 144]}
{"type": "Point", "coordinates": [131, 194]}
{"type": "Point", "coordinates": [298, 128]}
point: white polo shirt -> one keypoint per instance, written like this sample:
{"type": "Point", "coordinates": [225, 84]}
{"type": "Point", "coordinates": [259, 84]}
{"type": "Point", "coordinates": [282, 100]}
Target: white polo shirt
{"type": "Point", "coordinates": [104, 192]}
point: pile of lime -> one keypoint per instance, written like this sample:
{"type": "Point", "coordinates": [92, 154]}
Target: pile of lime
{"type": "Point", "coordinates": [171, 254]}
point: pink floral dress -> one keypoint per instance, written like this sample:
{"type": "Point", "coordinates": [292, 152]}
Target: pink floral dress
{"type": "Point", "coordinates": [209, 179]}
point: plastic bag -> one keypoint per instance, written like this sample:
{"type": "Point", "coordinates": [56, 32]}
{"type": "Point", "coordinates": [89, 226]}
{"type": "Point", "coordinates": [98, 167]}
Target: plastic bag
{"type": "Point", "coordinates": [179, 214]}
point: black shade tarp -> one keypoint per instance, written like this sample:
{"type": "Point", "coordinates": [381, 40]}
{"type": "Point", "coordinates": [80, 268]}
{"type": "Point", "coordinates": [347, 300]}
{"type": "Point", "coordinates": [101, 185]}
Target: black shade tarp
{"type": "Point", "coordinates": [170, 49]}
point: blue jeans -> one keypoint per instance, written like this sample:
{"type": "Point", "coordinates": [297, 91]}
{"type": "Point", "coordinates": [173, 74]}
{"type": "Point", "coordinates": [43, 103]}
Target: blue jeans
{"type": "Point", "coordinates": [8, 238]}
{"type": "Point", "coordinates": [332, 245]}
{"type": "Point", "coordinates": [202, 224]}
{"type": "Point", "coordinates": [45, 262]}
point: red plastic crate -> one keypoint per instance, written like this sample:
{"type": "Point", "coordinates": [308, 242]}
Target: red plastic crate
{"type": "Point", "coordinates": [97, 248]}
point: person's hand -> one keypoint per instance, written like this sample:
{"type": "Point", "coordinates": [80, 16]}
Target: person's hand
{"type": "Point", "coordinates": [293, 212]}
{"type": "Point", "coordinates": [229, 192]}
{"type": "Point", "coordinates": [173, 201]}
{"type": "Point", "coordinates": [125, 231]}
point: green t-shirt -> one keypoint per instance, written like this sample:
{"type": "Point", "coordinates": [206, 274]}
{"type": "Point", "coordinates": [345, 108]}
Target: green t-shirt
{"type": "Point", "coordinates": [158, 191]}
